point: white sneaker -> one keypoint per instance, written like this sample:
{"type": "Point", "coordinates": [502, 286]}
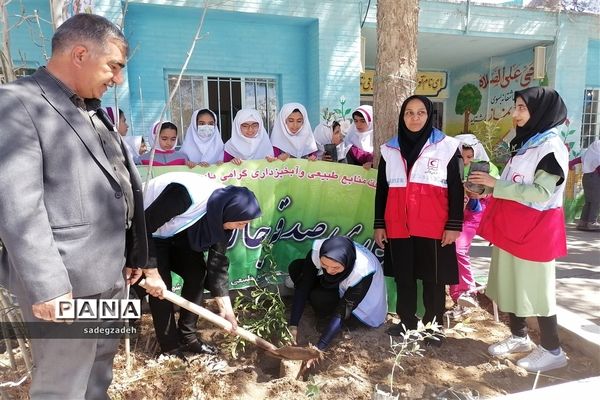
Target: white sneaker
{"type": "Point", "coordinates": [457, 311]}
{"type": "Point", "coordinates": [466, 300]}
{"type": "Point", "coordinates": [512, 344]}
{"type": "Point", "coordinates": [542, 360]}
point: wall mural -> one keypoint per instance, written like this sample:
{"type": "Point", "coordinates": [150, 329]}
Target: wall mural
{"type": "Point", "coordinates": [481, 98]}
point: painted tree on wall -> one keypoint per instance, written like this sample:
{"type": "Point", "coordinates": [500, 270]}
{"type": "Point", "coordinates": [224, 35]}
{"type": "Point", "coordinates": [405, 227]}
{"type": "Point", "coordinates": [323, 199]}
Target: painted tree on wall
{"type": "Point", "coordinates": [468, 102]}
{"type": "Point", "coordinates": [396, 70]}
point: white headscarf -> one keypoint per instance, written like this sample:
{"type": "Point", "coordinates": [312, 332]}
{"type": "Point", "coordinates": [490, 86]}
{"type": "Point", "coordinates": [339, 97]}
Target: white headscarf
{"type": "Point", "coordinates": [244, 148]}
{"type": "Point", "coordinates": [362, 140]}
{"type": "Point", "coordinates": [324, 135]}
{"type": "Point", "coordinates": [152, 137]}
{"type": "Point", "coordinates": [133, 144]}
{"type": "Point", "coordinates": [470, 140]}
{"type": "Point", "coordinates": [298, 145]}
{"type": "Point", "coordinates": [203, 148]}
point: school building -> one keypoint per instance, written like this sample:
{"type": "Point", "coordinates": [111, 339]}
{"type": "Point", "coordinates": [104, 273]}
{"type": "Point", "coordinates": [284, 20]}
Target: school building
{"type": "Point", "coordinates": [264, 53]}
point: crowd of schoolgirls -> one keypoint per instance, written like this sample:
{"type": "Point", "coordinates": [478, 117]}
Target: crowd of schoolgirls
{"type": "Point", "coordinates": [292, 136]}
{"type": "Point", "coordinates": [432, 197]}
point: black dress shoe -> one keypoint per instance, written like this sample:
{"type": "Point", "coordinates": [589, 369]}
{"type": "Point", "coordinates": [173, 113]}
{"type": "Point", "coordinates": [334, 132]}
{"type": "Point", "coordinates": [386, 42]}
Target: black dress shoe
{"type": "Point", "coordinates": [177, 353]}
{"type": "Point", "coordinates": [199, 347]}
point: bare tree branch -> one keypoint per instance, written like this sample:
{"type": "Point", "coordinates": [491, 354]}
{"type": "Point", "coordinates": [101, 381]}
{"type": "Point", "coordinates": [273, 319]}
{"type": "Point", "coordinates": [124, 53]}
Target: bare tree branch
{"type": "Point", "coordinates": [197, 37]}
{"type": "Point", "coordinates": [8, 70]}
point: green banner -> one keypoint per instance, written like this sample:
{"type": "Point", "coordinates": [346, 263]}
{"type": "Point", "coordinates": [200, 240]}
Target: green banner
{"type": "Point", "coordinates": [301, 201]}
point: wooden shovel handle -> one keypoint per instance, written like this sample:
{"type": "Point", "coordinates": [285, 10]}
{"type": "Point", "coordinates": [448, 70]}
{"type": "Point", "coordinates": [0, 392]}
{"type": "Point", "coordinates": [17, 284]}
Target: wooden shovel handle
{"type": "Point", "coordinates": [214, 318]}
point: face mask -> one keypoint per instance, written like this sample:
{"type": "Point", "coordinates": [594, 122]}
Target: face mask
{"type": "Point", "coordinates": [205, 131]}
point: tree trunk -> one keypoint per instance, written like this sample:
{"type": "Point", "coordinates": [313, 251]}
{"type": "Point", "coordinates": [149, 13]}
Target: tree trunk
{"type": "Point", "coordinates": [8, 69]}
{"type": "Point", "coordinates": [467, 117]}
{"type": "Point", "coordinates": [396, 70]}
{"type": "Point", "coordinates": [56, 12]}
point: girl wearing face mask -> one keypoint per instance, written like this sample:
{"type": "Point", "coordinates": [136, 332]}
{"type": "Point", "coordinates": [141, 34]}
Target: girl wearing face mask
{"type": "Point", "coordinates": [292, 135]}
{"type": "Point", "coordinates": [249, 139]}
{"type": "Point", "coordinates": [360, 137]}
{"type": "Point", "coordinates": [203, 144]}
{"type": "Point", "coordinates": [165, 153]}
{"type": "Point", "coordinates": [419, 213]}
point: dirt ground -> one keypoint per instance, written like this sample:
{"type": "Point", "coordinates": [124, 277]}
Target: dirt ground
{"type": "Point", "coordinates": [358, 360]}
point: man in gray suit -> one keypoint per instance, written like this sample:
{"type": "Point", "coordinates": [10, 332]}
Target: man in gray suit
{"type": "Point", "coordinates": [71, 210]}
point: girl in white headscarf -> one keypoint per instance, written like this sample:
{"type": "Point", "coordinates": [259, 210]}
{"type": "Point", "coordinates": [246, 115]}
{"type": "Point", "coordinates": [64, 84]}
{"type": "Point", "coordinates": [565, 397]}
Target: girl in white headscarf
{"type": "Point", "coordinates": [464, 293]}
{"type": "Point", "coordinates": [360, 137]}
{"type": "Point", "coordinates": [326, 134]}
{"type": "Point", "coordinates": [292, 135]}
{"type": "Point", "coordinates": [203, 143]}
{"type": "Point", "coordinates": [166, 140]}
{"type": "Point", "coordinates": [249, 139]}
{"type": "Point", "coordinates": [471, 141]}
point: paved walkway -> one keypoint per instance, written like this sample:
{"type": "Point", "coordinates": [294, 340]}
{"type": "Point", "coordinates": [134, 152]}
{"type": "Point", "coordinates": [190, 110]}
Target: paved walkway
{"type": "Point", "coordinates": [577, 287]}
{"type": "Point", "coordinates": [577, 274]}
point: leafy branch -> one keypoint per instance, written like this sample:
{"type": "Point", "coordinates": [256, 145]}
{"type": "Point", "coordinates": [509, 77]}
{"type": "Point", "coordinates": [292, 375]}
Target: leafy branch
{"type": "Point", "coordinates": [262, 309]}
{"type": "Point", "coordinates": [410, 344]}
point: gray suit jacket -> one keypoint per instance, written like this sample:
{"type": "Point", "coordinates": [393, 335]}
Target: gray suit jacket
{"type": "Point", "coordinates": [62, 216]}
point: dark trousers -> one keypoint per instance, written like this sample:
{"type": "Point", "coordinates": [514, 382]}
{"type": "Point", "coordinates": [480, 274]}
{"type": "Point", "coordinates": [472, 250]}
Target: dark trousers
{"type": "Point", "coordinates": [434, 299]}
{"type": "Point", "coordinates": [548, 330]}
{"type": "Point", "coordinates": [175, 255]}
{"type": "Point", "coordinates": [324, 301]}
{"type": "Point", "coordinates": [419, 258]}
{"type": "Point", "coordinates": [75, 368]}
{"type": "Point", "coordinates": [591, 193]}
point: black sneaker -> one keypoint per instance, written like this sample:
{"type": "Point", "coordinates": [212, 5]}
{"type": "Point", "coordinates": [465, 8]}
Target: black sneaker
{"type": "Point", "coordinates": [396, 330]}
{"type": "Point", "coordinates": [199, 347]}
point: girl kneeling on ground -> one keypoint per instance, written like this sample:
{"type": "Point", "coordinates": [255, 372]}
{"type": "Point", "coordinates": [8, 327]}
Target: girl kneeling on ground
{"type": "Point", "coordinates": [342, 280]}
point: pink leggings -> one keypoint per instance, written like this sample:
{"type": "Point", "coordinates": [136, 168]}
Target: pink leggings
{"type": "Point", "coordinates": [466, 282]}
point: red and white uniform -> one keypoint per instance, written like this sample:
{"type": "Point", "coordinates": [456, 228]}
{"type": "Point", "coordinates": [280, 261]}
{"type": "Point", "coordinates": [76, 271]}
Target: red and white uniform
{"type": "Point", "coordinates": [533, 231]}
{"type": "Point", "coordinates": [417, 202]}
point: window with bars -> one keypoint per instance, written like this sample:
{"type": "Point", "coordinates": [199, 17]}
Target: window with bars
{"type": "Point", "coordinates": [590, 120]}
{"type": "Point", "coordinates": [225, 96]}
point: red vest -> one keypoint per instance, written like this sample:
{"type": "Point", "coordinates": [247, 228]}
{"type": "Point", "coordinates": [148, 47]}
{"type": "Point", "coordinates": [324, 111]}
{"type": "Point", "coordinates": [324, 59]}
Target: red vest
{"type": "Point", "coordinates": [417, 205]}
{"type": "Point", "coordinates": [533, 231]}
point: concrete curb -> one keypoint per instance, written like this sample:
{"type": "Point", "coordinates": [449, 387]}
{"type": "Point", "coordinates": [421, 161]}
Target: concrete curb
{"type": "Point", "coordinates": [575, 332]}
{"type": "Point", "coordinates": [582, 389]}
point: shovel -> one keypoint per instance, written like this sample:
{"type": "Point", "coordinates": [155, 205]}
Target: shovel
{"type": "Point", "coordinates": [286, 352]}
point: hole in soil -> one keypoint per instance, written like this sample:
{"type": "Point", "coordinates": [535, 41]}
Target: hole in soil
{"type": "Point", "coordinates": [268, 366]}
